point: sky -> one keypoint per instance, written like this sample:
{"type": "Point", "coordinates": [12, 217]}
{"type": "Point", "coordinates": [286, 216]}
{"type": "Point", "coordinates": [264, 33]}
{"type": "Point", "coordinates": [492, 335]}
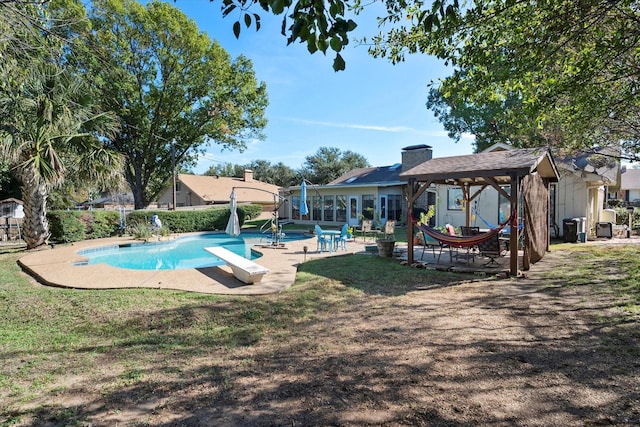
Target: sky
{"type": "Point", "coordinates": [373, 108]}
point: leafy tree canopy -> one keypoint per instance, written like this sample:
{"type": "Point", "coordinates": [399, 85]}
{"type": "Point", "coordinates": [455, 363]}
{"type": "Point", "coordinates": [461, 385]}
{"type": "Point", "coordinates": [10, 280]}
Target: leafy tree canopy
{"type": "Point", "coordinates": [329, 163]}
{"type": "Point", "coordinates": [172, 88]}
{"type": "Point", "coordinates": [551, 73]}
{"type": "Point", "coordinates": [50, 128]}
{"type": "Point", "coordinates": [555, 72]}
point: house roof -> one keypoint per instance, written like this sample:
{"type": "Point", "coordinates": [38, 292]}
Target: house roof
{"type": "Point", "coordinates": [214, 189]}
{"type": "Point", "coordinates": [601, 169]}
{"type": "Point", "coordinates": [11, 200]}
{"type": "Point", "coordinates": [481, 168]}
{"type": "Point", "coordinates": [630, 179]}
{"type": "Point", "coordinates": [381, 175]}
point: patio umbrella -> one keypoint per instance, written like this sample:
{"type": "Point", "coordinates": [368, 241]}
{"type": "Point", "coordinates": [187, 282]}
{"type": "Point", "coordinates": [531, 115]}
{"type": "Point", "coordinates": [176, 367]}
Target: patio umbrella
{"type": "Point", "coordinates": [304, 210]}
{"type": "Point", "coordinates": [233, 226]}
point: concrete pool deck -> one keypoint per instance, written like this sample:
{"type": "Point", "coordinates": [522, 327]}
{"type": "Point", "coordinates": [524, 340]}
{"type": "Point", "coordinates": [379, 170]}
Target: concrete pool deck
{"type": "Point", "coordinates": [59, 267]}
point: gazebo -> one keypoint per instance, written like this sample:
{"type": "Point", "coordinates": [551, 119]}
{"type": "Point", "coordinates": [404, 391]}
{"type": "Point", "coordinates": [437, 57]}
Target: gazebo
{"type": "Point", "coordinates": [528, 172]}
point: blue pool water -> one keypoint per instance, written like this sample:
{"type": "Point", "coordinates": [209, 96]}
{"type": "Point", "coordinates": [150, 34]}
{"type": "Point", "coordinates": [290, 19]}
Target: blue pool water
{"type": "Point", "coordinates": [183, 252]}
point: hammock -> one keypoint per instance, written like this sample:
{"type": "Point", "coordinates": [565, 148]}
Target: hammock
{"type": "Point", "coordinates": [492, 226]}
{"type": "Point", "coordinates": [464, 241]}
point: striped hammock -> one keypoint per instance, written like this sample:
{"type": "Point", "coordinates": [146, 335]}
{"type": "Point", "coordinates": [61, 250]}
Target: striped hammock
{"type": "Point", "coordinates": [464, 241]}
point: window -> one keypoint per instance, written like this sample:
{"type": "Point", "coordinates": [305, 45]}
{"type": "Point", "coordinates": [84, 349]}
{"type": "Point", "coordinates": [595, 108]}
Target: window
{"type": "Point", "coordinates": [394, 207]}
{"type": "Point", "coordinates": [368, 206]}
{"type": "Point", "coordinates": [504, 206]}
{"type": "Point", "coordinates": [341, 208]}
{"type": "Point", "coordinates": [295, 207]}
{"type": "Point", "coordinates": [316, 208]}
{"type": "Point", "coordinates": [455, 200]}
{"type": "Point", "coordinates": [328, 208]}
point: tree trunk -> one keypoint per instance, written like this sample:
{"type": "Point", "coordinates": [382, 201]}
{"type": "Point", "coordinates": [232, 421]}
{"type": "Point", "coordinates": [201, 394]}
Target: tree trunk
{"type": "Point", "coordinates": [35, 230]}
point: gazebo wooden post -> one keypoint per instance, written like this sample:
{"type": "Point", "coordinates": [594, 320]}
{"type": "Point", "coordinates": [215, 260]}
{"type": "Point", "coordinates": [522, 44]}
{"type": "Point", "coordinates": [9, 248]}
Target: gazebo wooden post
{"type": "Point", "coordinates": [513, 235]}
{"type": "Point", "coordinates": [410, 201]}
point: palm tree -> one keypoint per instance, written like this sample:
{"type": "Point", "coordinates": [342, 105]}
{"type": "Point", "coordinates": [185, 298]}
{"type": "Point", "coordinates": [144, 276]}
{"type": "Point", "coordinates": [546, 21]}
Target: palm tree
{"type": "Point", "coordinates": [49, 128]}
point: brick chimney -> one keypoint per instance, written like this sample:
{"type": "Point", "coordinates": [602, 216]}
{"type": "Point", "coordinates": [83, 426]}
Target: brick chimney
{"type": "Point", "coordinates": [414, 155]}
{"type": "Point", "coordinates": [248, 175]}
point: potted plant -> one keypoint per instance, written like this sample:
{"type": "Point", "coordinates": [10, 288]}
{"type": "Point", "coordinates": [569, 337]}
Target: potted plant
{"type": "Point", "coordinates": [349, 232]}
{"type": "Point", "coordinates": [387, 242]}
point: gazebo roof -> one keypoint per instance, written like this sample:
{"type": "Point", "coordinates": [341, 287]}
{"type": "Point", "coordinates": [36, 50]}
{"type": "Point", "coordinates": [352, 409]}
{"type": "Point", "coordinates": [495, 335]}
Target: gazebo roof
{"type": "Point", "coordinates": [482, 168]}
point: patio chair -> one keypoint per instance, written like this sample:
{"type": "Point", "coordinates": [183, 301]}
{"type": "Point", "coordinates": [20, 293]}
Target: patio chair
{"type": "Point", "coordinates": [366, 227]}
{"type": "Point", "coordinates": [322, 240]}
{"type": "Point", "coordinates": [470, 231]}
{"type": "Point", "coordinates": [341, 240]}
{"type": "Point", "coordinates": [430, 242]}
{"type": "Point", "coordinates": [491, 249]}
{"type": "Point", "coordinates": [390, 228]}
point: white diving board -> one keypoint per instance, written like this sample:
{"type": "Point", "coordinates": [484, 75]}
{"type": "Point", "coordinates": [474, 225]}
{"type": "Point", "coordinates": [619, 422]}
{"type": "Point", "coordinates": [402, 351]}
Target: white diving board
{"type": "Point", "coordinates": [243, 269]}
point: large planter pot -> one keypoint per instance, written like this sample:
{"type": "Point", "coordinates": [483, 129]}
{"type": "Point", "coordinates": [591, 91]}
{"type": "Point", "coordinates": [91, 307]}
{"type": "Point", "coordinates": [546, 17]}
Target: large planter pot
{"type": "Point", "coordinates": [385, 248]}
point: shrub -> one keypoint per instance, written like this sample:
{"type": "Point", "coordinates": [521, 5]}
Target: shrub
{"type": "Point", "coordinates": [140, 230]}
{"type": "Point", "coordinates": [66, 226]}
{"type": "Point", "coordinates": [74, 226]}
{"type": "Point", "coordinates": [190, 221]}
{"type": "Point", "coordinates": [102, 224]}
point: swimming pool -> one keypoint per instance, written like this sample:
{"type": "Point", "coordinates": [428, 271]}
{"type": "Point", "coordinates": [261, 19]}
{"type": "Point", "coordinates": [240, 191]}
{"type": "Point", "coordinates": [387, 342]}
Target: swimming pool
{"type": "Point", "coordinates": [180, 253]}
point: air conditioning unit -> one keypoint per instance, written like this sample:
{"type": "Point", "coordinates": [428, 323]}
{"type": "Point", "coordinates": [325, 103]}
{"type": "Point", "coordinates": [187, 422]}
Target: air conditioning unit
{"type": "Point", "coordinates": [604, 229]}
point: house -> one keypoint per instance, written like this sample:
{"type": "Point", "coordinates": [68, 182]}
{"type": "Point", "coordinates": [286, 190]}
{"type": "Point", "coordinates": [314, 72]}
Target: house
{"type": "Point", "coordinates": [375, 193]}
{"type": "Point", "coordinates": [201, 190]}
{"type": "Point", "coordinates": [629, 187]}
{"type": "Point", "coordinates": [109, 201]}
{"type": "Point", "coordinates": [585, 178]}
{"type": "Point", "coordinates": [11, 217]}
{"type": "Point", "coordinates": [521, 176]}
{"type": "Point", "coordinates": [11, 208]}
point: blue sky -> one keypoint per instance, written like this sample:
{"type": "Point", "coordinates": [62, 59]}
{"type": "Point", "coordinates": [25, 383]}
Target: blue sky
{"type": "Point", "coordinates": [372, 108]}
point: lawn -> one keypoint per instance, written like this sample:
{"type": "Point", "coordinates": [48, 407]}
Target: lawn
{"type": "Point", "coordinates": [358, 340]}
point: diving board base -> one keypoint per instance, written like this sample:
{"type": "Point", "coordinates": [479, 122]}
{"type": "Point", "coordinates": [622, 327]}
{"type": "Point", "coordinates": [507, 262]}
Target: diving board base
{"type": "Point", "coordinates": [243, 269]}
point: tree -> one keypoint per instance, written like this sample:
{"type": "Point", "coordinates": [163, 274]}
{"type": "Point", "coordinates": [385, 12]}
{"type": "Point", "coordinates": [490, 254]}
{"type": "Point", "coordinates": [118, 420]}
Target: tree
{"type": "Point", "coordinates": [54, 129]}
{"type": "Point", "coordinates": [225, 169]}
{"type": "Point", "coordinates": [278, 174]}
{"type": "Point", "coordinates": [49, 126]}
{"type": "Point", "coordinates": [172, 89]}
{"type": "Point", "coordinates": [328, 163]}
{"type": "Point", "coordinates": [550, 73]}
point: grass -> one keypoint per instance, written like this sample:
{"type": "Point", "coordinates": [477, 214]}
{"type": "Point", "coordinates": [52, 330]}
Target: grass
{"type": "Point", "coordinates": [48, 335]}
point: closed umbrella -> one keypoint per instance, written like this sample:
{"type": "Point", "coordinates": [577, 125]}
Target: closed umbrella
{"type": "Point", "coordinates": [233, 226]}
{"type": "Point", "coordinates": [304, 210]}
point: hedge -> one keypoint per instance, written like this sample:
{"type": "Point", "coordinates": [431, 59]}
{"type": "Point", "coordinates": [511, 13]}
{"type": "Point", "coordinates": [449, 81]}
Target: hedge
{"type": "Point", "coordinates": [196, 220]}
{"type": "Point", "coordinates": [74, 226]}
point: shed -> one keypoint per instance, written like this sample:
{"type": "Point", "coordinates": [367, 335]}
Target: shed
{"type": "Point", "coordinates": [527, 172]}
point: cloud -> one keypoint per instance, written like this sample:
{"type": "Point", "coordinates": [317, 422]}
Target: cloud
{"type": "Point", "coordinates": [353, 126]}
{"type": "Point", "coordinates": [378, 128]}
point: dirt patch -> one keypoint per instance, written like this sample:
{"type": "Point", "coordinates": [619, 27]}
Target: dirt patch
{"type": "Point", "coordinates": [525, 352]}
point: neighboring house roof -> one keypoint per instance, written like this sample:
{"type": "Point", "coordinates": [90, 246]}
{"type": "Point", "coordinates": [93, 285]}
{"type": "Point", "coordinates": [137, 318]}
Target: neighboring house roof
{"type": "Point", "coordinates": [11, 200]}
{"type": "Point", "coordinates": [111, 199]}
{"type": "Point", "coordinates": [481, 168]}
{"type": "Point", "coordinates": [214, 189]}
{"type": "Point", "coordinates": [379, 176]}
{"type": "Point", "coordinates": [630, 179]}
{"type": "Point", "coordinates": [598, 165]}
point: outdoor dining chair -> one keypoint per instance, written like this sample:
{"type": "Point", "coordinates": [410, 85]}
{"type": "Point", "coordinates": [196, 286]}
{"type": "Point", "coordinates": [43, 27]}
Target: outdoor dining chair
{"type": "Point", "coordinates": [341, 241]}
{"type": "Point", "coordinates": [322, 240]}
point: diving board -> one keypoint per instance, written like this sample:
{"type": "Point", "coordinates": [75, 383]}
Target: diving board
{"type": "Point", "coordinates": [243, 269]}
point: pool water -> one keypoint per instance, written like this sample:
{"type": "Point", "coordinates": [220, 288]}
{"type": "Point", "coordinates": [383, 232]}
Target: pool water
{"type": "Point", "coordinates": [183, 252]}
